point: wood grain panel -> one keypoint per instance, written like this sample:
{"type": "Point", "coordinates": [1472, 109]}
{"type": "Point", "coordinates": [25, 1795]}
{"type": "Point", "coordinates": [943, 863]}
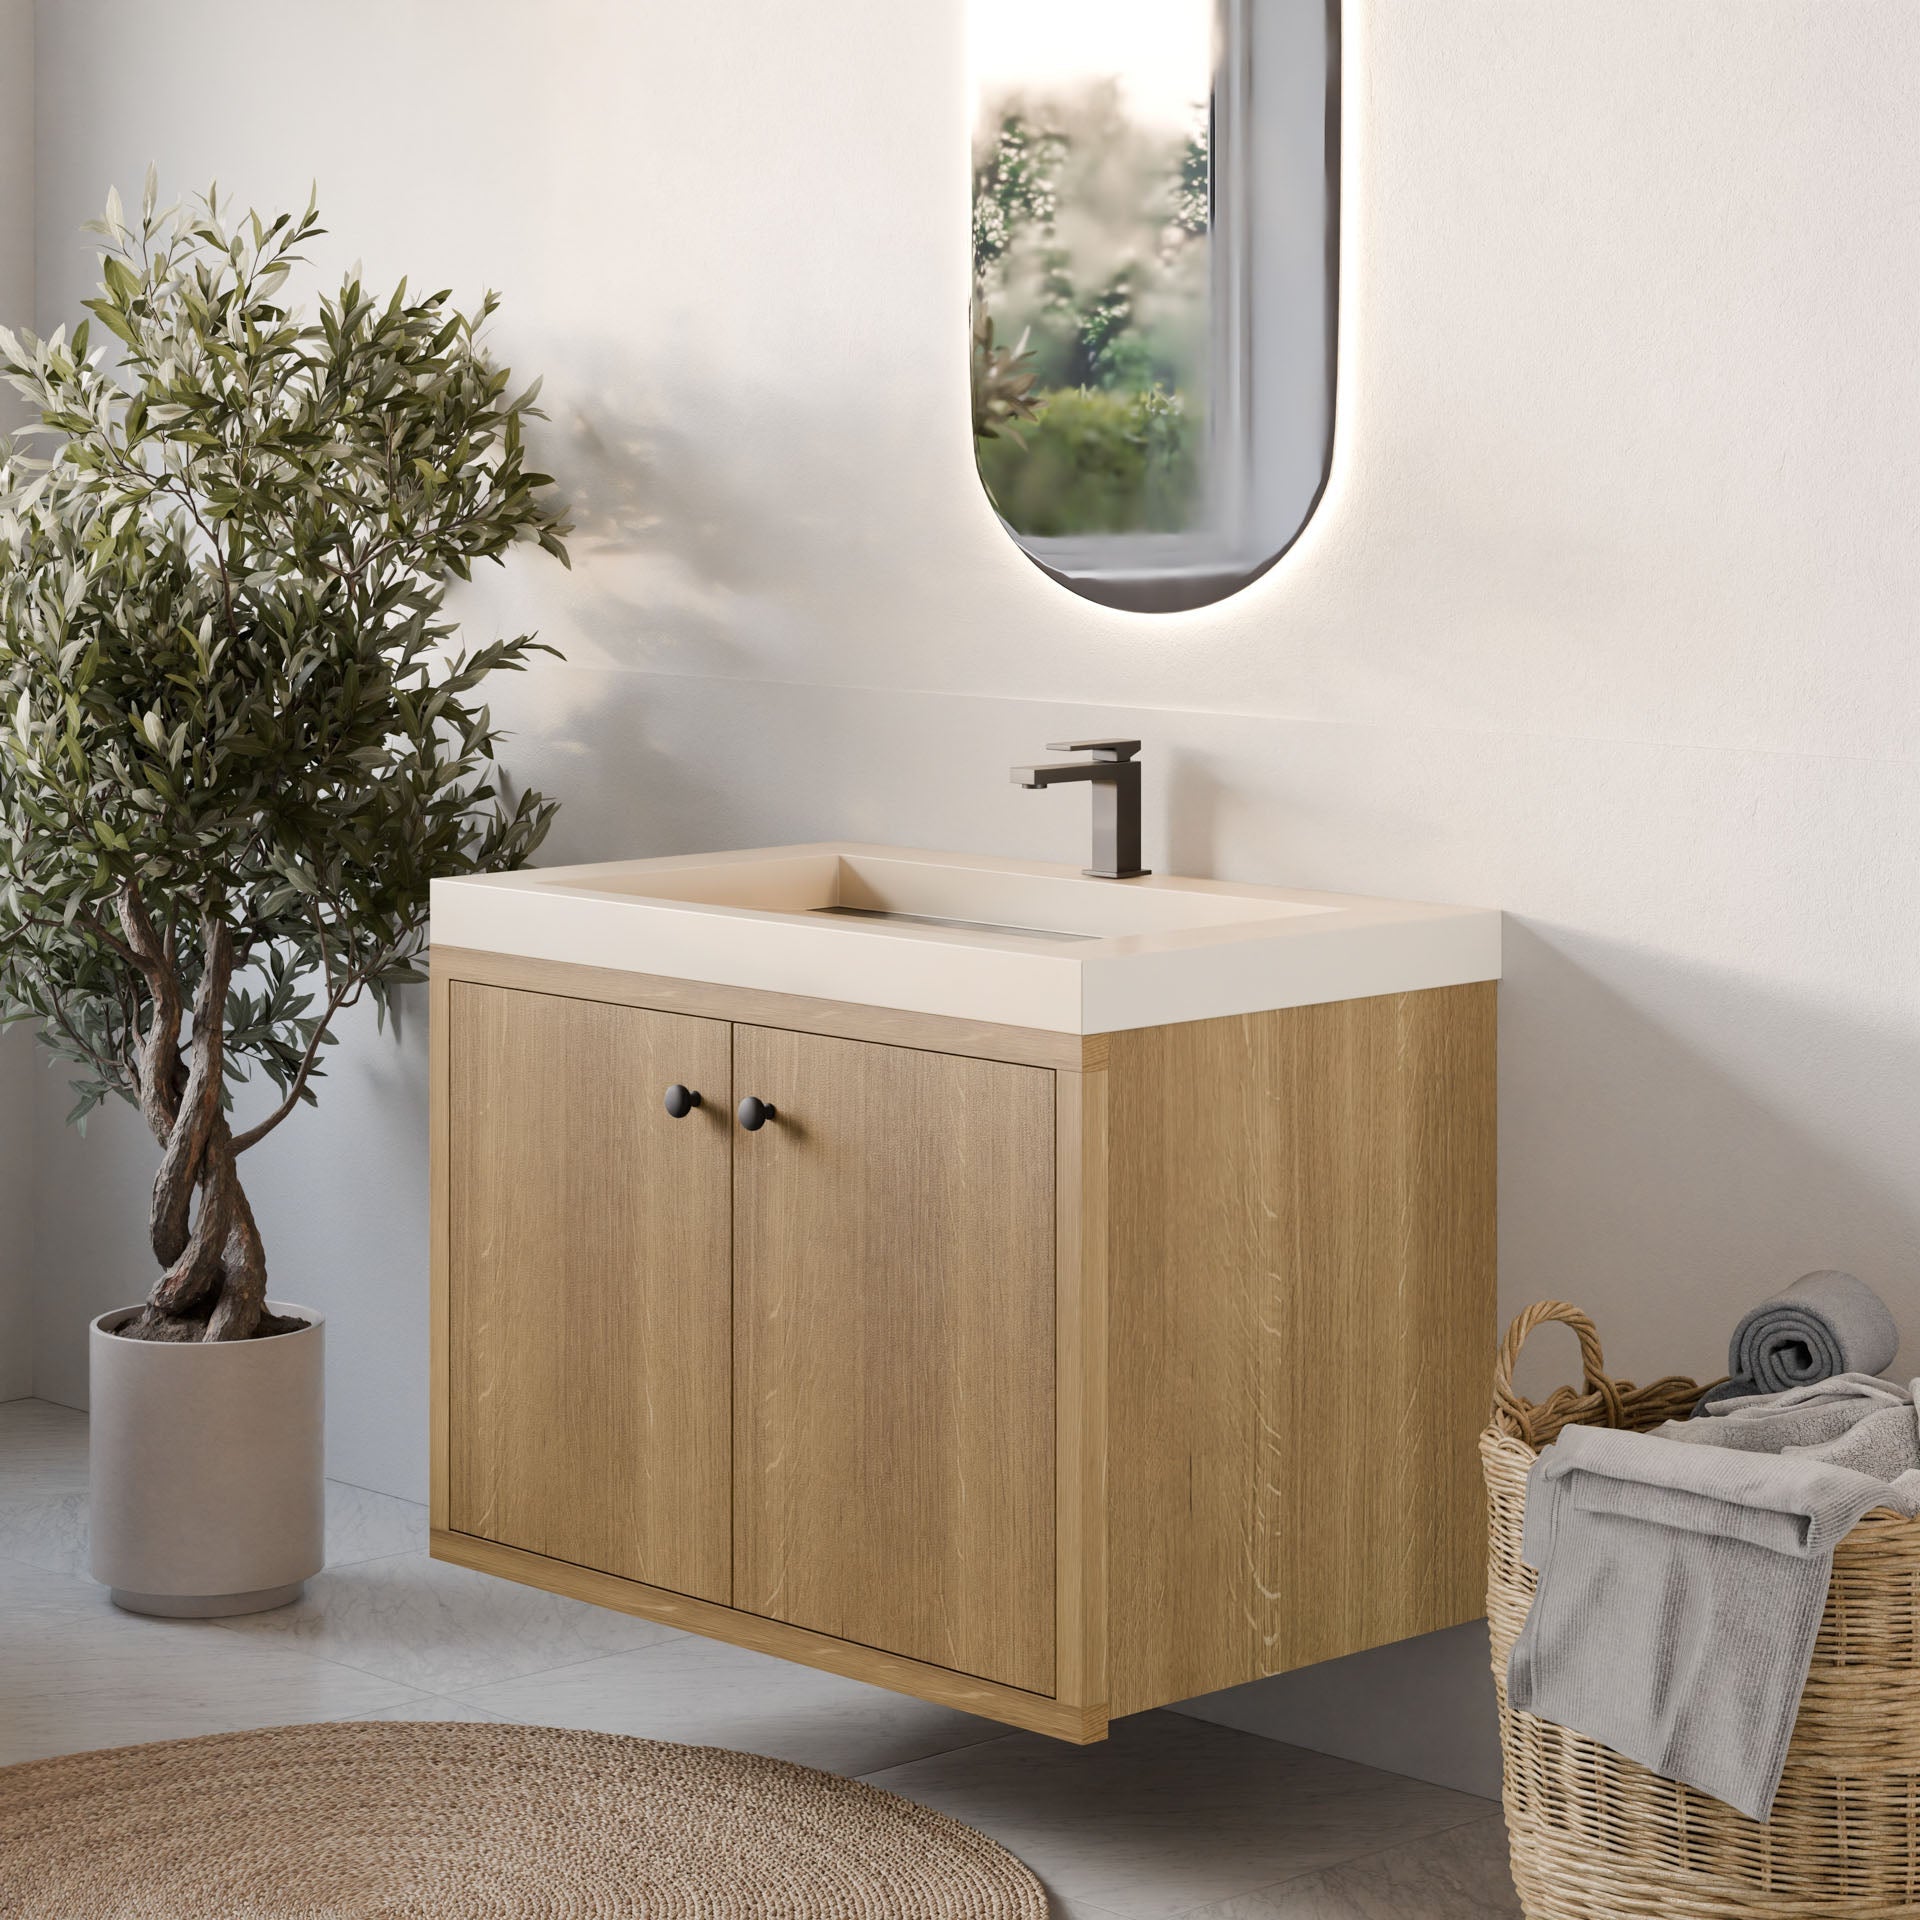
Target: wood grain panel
{"type": "Point", "coordinates": [1302, 1319]}
{"type": "Point", "coordinates": [890, 1026]}
{"type": "Point", "coordinates": [440, 1243]}
{"type": "Point", "coordinates": [894, 1352]}
{"type": "Point", "coordinates": [588, 1299]}
{"type": "Point", "coordinates": [1081, 1315]}
{"type": "Point", "coordinates": [1034, 1711]}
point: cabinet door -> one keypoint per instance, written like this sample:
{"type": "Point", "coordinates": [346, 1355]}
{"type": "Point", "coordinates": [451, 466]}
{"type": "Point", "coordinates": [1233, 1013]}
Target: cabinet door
{"type": "Point", "coordinates": [894, 1351]}
{"type": "Point", "coordinates": [589, 1293]}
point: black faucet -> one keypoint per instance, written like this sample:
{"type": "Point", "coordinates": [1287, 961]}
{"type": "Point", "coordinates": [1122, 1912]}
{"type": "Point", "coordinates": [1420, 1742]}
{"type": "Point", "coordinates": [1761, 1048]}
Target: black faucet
{"type": "Point", "coordinates": [1115, 777]}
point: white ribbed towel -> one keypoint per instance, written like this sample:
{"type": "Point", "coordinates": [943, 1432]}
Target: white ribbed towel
{"type": "Point", "coordinates": [1680, 1593]}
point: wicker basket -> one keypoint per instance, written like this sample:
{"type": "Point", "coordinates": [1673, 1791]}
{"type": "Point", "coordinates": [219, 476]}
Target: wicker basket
{"type": "Point", "coordinates": [1595, 1837]}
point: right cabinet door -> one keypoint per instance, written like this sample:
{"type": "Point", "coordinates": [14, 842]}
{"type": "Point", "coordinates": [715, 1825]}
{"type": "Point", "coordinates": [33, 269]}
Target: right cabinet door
{"type": "Point", "coordinates": [894, 1351]}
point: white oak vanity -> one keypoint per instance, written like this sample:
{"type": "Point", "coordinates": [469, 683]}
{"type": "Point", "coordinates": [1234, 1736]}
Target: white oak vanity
{"type": "Point", "coordinates": [1049, 1296]}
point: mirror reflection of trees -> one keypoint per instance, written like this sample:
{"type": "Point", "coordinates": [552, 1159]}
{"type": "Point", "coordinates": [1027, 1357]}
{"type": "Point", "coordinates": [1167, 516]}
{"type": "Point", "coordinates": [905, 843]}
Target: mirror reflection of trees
{"type": "Point", "coordinates": [1092, 314]}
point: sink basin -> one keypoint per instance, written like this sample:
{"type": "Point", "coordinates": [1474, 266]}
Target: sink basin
{"type": "Point", "coordinates": [1012, 942]}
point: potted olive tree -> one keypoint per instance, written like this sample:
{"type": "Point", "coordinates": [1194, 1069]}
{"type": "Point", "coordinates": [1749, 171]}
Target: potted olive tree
{"type": "Point", "coordinates": [237, 741]}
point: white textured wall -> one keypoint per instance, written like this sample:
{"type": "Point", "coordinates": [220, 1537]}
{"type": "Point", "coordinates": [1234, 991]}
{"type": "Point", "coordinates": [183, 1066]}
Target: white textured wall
{"type": "Point", "coordinates": [16, 309]}
{"type": "Point", "coordinates": [16, 174]}
{"type": "Point", "coordinates": [1607, 618]}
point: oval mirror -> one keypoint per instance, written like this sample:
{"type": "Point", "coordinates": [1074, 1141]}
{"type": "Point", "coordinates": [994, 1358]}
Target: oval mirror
{"type": "Point", "coordinates": [1154, 232]}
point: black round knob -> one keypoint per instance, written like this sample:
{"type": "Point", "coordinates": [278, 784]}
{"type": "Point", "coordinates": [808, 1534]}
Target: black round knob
{"type": "Point", "coordinates": [681, 1101]}
{"type": "Point", "coordinates": [755, 1113]}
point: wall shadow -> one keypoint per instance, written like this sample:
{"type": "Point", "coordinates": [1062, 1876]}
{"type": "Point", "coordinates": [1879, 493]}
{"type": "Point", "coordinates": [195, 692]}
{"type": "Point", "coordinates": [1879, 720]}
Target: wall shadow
{"type": "Point", "coordinates": [1678, 1141]}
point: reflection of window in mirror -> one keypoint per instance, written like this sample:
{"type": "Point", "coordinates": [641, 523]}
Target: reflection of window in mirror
{"type": "Point", "coordinates": [1153, 255]}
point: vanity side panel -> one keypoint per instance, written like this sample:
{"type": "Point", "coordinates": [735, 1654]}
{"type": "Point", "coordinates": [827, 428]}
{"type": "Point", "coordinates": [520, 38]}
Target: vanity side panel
{"type": "Point", "coordinates": [1302, 1264]}
{"type": "Point", "coordinates": [440, 1232]}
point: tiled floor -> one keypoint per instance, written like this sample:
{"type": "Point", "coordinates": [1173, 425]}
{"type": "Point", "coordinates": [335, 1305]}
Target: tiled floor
{"type": "Point", "coordinates": [1171, 1816]}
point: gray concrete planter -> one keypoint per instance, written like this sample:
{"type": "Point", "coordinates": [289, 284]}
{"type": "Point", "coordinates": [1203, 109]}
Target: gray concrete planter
{"type": "Point", "coordinates": [208, 1468]}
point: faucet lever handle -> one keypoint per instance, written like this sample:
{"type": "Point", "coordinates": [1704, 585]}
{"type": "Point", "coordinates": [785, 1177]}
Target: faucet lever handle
{"type": "Point", "coordinates": [1100, 749]}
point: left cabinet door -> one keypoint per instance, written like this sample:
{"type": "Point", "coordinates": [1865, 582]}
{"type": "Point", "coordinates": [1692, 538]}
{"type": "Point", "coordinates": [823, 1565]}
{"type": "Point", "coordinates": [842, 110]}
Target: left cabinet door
{"type": "Point", "coordinates": [589, 1286]}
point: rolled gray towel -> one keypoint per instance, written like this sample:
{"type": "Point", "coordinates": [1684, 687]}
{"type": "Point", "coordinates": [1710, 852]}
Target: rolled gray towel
{"type": "Point", "coordinates": [1822, 1325]}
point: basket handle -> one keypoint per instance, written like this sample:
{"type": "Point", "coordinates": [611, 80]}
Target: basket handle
{"type": "Point", "coordinates": [1593, 1364]}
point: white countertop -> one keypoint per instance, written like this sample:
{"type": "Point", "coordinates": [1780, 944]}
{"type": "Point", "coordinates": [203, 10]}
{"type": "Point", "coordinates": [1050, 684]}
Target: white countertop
{"type": "Point", "coordinates": [1045, 946]}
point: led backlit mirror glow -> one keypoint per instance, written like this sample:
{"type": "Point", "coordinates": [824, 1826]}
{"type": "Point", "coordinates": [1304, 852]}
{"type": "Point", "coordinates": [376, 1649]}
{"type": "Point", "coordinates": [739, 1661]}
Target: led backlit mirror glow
{"type": "Point", "coordinates": [1153, 251]}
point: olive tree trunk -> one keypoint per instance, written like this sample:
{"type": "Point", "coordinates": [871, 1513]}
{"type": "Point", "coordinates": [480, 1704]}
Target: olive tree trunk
{"type": "Point", "coordinates": [213, 1284]}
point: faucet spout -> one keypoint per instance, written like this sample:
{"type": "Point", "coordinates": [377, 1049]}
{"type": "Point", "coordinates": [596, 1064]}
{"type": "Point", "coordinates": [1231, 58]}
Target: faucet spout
{"type": "Point", "coordinates": [1055, 776]}
{"type": "Point", "coordinates": [1114, 775]}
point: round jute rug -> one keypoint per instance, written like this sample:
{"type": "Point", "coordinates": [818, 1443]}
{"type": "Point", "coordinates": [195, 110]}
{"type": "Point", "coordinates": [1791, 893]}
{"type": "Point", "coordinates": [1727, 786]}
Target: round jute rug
{"type": "Point", "coordinates": [360, 1819]}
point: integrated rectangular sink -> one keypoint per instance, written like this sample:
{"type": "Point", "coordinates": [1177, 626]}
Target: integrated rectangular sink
{"type": "Point", "coordinates": [890, 917]}
{"type": "Point", "coordinates": [1013, 942]}
{"type": "Point", "coordinates": [999, 897]}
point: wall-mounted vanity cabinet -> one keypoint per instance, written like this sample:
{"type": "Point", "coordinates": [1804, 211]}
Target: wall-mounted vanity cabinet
{"type": "Point", "coordinates": [1052, 1375]}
